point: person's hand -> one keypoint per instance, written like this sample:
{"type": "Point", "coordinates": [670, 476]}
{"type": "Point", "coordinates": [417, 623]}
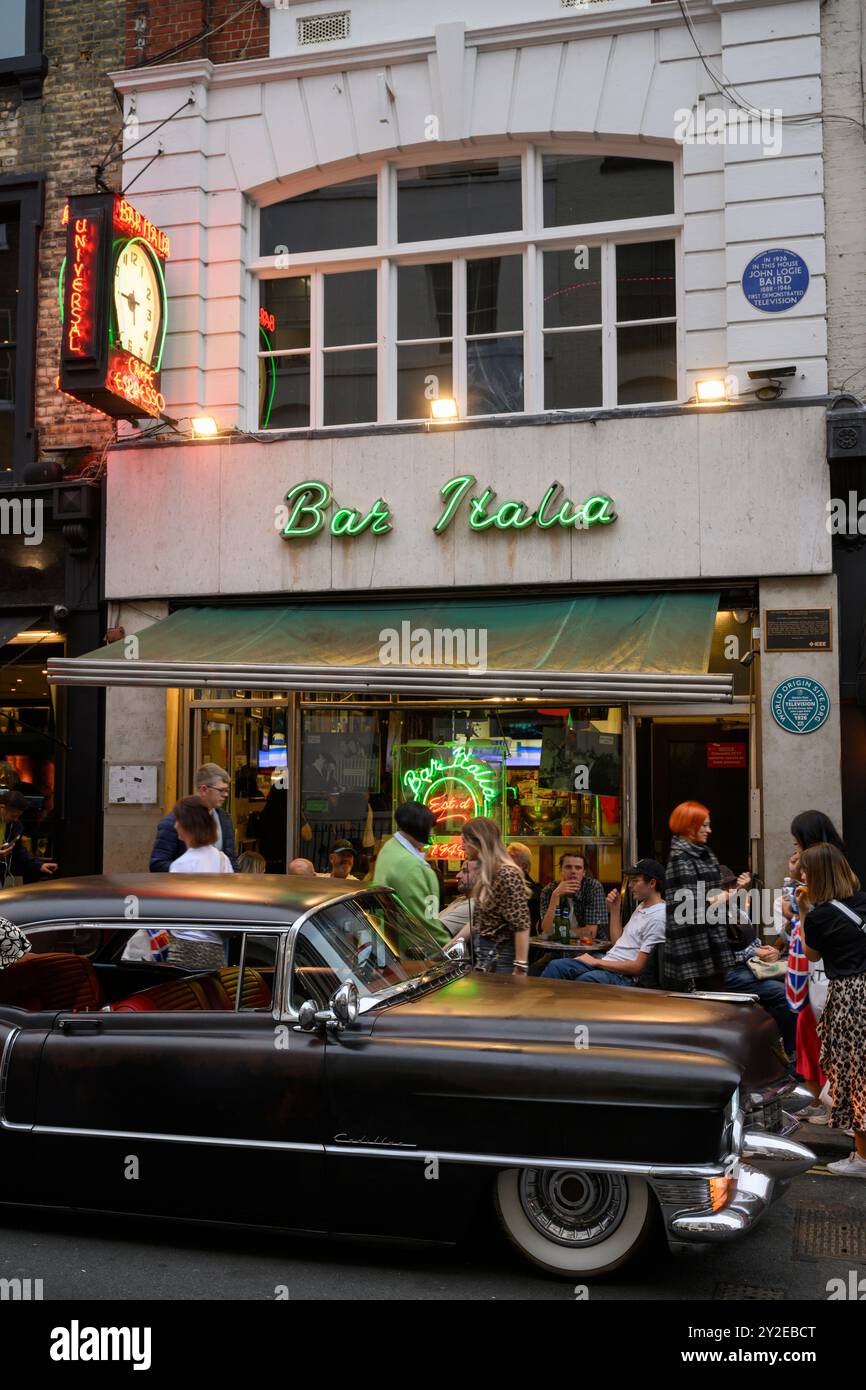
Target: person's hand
{"type": "Point", "coordinates": [744, 880]}
{"type": "Point", "coordinates": [49, 867]}
{"type": "Point", "coordinates": [614, 899]}
{"type": "Point", "coordinates": [6, 850]}
{"type": "Point", "coordinates": [768, 953]}
{"type": "Point", "coordinates": [787, 906]}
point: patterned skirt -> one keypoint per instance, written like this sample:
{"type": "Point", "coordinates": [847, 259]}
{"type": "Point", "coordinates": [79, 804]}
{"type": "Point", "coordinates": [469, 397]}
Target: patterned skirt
{"type": "Point", "coordinates": [842, 1031]}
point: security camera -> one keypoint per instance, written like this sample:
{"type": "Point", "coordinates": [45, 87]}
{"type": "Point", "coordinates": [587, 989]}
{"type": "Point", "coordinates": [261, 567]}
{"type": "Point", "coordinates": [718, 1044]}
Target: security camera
{"type": "Point", "coordinates": [60, 610]}
{"type": "Point", "coordinates": [748, 658]}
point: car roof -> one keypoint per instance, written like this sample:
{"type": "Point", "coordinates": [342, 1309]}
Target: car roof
{"type": "Point", "coordinates": [278, 899]}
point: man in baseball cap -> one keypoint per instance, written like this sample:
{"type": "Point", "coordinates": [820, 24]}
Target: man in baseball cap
{"type": "Point", "coordinates": [341, 859]}
{"type": "Point", "coordinates": [631, 944]}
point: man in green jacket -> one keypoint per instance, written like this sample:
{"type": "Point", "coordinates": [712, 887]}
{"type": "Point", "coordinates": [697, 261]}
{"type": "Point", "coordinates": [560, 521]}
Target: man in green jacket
{"type": "Point", "coordinates": [401, 865]}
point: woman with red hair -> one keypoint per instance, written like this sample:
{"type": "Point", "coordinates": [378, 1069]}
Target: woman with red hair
{"type": "Point", "coordinates": [698, 953]}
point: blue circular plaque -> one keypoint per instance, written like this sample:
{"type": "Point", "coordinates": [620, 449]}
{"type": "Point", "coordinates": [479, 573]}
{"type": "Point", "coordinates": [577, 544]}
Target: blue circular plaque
{"type": "Point", "coordinates": [775, 280]}
{"type": "Point", "coordinates": [800, 705]}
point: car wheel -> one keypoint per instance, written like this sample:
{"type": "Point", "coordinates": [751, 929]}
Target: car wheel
{"type": "Point", "coordinates": [574, 1222]}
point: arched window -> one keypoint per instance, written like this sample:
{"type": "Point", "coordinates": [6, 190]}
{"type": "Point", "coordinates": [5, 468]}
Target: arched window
{"type": "Point", "coordinates": [515, 282]}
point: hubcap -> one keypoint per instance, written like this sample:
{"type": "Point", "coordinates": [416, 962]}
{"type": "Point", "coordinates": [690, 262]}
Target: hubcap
{"type": "Point", "coordinates": [573, 1208]}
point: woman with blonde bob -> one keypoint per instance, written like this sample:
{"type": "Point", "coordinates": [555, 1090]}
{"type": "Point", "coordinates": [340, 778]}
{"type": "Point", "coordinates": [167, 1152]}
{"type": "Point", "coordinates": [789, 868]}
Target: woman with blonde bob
{"type": "Point", "coordinates": [698, 954]}
{"type": "Point", "coordinates": [833, 910]}
{"type": "Point", "coordinates": [501, 901]}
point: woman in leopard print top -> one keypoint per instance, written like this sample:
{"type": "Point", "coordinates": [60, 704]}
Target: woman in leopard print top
{"type": "Point", "coordinates": [500, 898]}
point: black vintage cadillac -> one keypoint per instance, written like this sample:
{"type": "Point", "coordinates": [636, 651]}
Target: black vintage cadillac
{"type": "Point", "coordinates": [284, 1052]}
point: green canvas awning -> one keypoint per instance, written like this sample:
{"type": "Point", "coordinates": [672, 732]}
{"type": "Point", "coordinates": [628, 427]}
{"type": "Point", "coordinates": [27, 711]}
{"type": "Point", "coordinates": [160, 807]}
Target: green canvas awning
{"type": "Point", "coordinates": [611, 647]}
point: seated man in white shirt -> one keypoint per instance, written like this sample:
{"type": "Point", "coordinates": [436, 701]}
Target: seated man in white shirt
{"type": "Point", "coordinates": [631, 944]}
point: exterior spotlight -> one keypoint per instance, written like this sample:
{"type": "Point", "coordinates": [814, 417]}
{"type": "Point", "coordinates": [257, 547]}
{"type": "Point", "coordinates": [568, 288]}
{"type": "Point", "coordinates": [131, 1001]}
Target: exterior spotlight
{"type": "Point", "coordinates": [443, 409]}
{"type": "Point", "coordinates": [712, 391]}
{"type": "Point", "coordinates": [204, 426]}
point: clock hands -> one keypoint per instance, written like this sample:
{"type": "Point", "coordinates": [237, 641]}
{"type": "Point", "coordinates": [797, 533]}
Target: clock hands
{"type": "Point", "coordinates": [132, 302]}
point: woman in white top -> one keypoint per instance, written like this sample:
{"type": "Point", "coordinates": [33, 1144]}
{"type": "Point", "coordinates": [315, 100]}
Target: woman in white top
{"type": "Point", "coordinates": [197, 828]}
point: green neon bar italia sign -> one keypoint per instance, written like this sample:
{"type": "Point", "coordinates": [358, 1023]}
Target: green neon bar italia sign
{"type": "Point", "coordinates": [463, 770]}
{"type": "Point", "coordinates": [305, 512]}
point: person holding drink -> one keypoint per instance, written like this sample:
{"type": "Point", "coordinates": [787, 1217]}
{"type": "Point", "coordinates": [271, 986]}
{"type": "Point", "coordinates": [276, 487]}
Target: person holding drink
{"type": "Point", "coordinates": [633, 943]}
{"type": "Point", "coordinates": [574, 908]}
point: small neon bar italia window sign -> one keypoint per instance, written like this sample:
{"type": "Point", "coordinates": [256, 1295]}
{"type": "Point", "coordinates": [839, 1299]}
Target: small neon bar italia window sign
{"type": "Point", "coordinates": [113, 306]}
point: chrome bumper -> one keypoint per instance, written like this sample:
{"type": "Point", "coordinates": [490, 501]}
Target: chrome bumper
{"type": "Point", "coordinates": [769, 1162]}
{"type": "Point", "coordinates": [753, 1194]}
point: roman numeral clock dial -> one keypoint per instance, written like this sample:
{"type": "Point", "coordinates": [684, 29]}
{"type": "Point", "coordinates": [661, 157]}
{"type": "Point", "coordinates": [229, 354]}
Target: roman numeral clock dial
{"type": "Point", "coordinates": [137, 303]}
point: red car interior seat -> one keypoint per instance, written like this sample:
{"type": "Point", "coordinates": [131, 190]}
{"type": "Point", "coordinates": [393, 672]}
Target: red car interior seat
{"type": "Point", "coordinates": [214, 991]}
{"type": "Point", "coordinates": [55, 980]}
{"type": "Point", "coordinates": [172, 997]}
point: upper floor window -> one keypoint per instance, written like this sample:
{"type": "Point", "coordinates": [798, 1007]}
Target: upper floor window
{"type": "Point", "coordinates": [21, 56]}
{"type": "Point", "coordinates": [13, 38]}
{"type": "Point", "coordinates": [21, 201]}
{"type": "Point", "coordinates": [511, 284]}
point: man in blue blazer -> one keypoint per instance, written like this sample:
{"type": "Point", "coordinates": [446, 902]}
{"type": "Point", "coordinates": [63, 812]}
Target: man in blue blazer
{"type": "Point", "coordinates": [212, 785]}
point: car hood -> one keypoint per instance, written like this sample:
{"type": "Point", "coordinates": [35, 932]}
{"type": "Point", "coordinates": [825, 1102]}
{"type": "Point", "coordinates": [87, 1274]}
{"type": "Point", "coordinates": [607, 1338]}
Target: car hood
{"type": "Point", "coordinates": [495, 1010]}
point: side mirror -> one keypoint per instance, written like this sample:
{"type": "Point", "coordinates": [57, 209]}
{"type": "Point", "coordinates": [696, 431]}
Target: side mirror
{"type": "Point", "coordinates": [308, 1016]}
{"type": "Point", "coordinates": [345, 1004]}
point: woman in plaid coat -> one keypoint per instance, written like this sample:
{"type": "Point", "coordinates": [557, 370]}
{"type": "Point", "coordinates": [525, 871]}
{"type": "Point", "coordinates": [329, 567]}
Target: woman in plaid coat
{"type": "Point", "coordinates": [697, 953]}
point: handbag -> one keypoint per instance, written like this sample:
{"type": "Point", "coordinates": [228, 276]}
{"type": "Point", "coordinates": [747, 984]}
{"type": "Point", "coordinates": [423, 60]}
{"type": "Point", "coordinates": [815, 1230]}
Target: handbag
{"type": "Point", "coordinates": [767, 969]}
{"type": "Point", "coordinates": [13, 943]}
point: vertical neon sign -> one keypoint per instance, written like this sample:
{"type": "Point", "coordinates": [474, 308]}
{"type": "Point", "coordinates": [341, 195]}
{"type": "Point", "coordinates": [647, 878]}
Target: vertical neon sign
{"type": "Point", "coordinates": [80, 334]}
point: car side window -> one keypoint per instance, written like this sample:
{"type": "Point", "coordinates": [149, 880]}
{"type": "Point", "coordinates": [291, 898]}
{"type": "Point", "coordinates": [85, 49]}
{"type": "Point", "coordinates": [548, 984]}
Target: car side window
{"type": "Point", "coordinates": [165, 969]}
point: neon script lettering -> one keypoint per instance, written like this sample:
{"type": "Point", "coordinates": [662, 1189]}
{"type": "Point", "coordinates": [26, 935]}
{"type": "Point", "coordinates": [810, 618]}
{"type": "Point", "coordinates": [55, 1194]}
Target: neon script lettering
{"type": "Point", "coordinates": [131, 222]}
{"type": "Point", "coordinates": [477, 779]}
{"type": "Point", "coordinates": [304, 514]}
{"type": "Point", "coordinates": [308, 502]}
{"type": "Point", "coordinates": [554, 509]}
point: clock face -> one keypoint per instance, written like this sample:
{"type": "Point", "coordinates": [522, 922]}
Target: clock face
{"type": "Point", "coordinates": [137, 301]}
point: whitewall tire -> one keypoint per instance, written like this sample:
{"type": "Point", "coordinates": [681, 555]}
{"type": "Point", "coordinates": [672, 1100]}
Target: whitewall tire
{"type": "Point", "coordinates": [574, 1223]}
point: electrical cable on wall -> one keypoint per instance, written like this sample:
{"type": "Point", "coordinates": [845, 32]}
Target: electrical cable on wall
{"type": "Point", "coordinates": [725, 88]}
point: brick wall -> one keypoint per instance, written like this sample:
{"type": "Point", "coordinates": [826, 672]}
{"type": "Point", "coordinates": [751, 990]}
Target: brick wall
{"type": "Point", "coordinates": [62, 136]}
{"type": "Point", "coordinates": [154, 27]}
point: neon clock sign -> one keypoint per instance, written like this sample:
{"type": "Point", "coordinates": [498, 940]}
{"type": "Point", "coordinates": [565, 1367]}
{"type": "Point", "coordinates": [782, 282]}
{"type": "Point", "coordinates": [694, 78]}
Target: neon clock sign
{"type": "Point", "coordinates": [113, 306]}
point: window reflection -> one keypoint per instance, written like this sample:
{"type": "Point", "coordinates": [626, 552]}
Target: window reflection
{"type": "Point", "coordinates": [459, 200]}
{"type": "Point", "coordinates": [604, 188]}
{"type": "Point", "coordinates": [341, 214]}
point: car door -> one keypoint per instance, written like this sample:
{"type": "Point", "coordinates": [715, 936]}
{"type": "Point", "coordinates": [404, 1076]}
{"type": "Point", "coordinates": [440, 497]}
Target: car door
{"type": "Point", "coordinates": [381, 1179]}
{"type": "Point", "coordinates": [209, 1112]}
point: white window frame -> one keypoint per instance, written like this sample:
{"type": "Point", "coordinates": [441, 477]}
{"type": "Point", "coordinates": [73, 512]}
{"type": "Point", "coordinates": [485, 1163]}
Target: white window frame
{"type": "Point", "coordinates": [530, 242]}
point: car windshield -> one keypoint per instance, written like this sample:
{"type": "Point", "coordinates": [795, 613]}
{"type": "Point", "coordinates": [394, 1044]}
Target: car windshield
{"type": "Point", "coordinates": [371, 940]}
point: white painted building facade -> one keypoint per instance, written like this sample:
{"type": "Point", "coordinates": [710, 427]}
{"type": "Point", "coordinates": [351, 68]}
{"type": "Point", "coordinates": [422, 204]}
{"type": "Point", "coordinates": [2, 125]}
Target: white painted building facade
{"type": "Point", "coordinates": [536, 105]}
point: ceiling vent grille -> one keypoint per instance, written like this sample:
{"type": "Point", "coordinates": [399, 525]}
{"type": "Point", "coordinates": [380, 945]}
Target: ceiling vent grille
{"type": "Point", "coordinates": [579, 4]}
{"type": "Point", "coordinates": [324, 28]}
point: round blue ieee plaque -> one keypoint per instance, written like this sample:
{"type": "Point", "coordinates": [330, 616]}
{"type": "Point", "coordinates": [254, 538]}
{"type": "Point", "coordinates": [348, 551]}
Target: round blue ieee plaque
{"type": "Point", "coordinates": [775, 280]}
{"type": "Point", "coordinates": [800, 705]}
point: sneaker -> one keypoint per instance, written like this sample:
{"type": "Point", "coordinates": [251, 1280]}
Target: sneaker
{"type": "Point", "coordinates": [815, 1115]}
{"type": "Point", "coordinates": [851, 1167]}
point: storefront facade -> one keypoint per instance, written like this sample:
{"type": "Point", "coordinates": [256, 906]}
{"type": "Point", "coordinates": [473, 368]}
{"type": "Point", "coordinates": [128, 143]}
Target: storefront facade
{"type": "Point", "coordinates": [594, 549]}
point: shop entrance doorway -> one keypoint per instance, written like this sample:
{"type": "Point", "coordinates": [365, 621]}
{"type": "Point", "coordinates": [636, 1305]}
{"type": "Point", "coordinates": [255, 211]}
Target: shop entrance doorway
{"type": "Point", "coordinates": [697, 758]}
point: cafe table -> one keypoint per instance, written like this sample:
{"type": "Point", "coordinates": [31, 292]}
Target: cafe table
{"type": "Point", "coordinates": [547, 943]}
